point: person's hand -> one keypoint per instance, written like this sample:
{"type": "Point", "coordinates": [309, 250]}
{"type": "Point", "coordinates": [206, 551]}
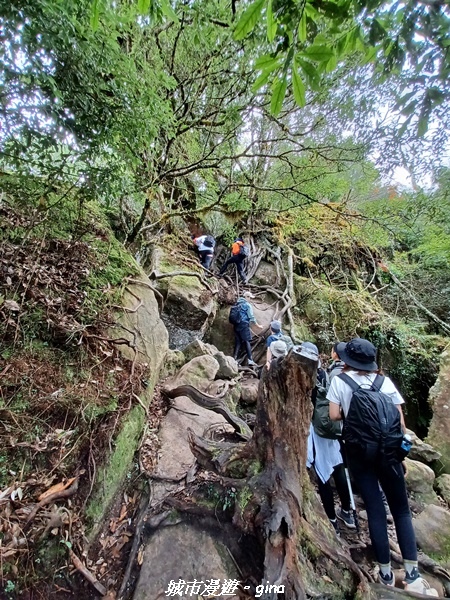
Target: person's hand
{"type": "Point", "coordinates": [258, 326]}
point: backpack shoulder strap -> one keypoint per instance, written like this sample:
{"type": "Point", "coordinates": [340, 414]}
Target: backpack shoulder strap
{"type": "Point", "coordinates": [349, 381]}
{"type": "Point", "coordinates": [378, 383]}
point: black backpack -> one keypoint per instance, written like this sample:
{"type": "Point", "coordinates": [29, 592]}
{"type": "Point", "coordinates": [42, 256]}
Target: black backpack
{"type": "Point", "coordinates": [323, 425]}
{"type": "Point", "coordinates": [372, 425]}
{"type": "Point", "coordinates": [209, 241]}
{"type": "Point", "coordinates": [238, 314]}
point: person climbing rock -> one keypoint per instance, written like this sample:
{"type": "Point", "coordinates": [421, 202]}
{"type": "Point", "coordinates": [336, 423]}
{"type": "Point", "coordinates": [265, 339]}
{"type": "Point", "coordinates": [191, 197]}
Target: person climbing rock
{"type": "Point", "coordinates": [239, 252]}
{"type": "Point", "coordinates": [241, 316]}
{"type": "Point", "coordinates": [370, 462]}
{"type": "Point", "coordinates": [205, 245]}
{"type": "Point", "coordinates": [276, 334]}
{"type": "Point", "coordinates": [323, 451]}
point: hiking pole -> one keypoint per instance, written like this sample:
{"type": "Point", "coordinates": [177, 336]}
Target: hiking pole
{"type": "Point", "coordinates": [352, 498]}
{"type": "Point", "coordinates": [349, 485]}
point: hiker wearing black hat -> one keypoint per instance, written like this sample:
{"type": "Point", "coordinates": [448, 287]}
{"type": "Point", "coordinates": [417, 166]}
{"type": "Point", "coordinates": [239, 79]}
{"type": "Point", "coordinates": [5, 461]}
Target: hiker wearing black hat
{"type": "Point", "coordinates": [239, 252]}
{"type": "Point", "coordinates": [373, 446]}
{"type": "Point", "coordinates": [323, 451]}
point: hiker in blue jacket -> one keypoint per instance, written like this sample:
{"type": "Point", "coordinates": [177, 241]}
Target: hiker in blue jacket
{"type": "Point", "coordinates": [241, 316]}
{"type": "Point", "coordinates": [359, 356]}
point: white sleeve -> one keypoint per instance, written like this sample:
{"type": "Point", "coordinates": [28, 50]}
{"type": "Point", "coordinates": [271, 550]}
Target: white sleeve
{"type": "Point", "coordinates": [333, 392]}
{"type": "Point", "coordinates": [389, 388]}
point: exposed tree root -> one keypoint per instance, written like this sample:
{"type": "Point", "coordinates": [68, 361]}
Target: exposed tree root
{"type": "Point", "coordinates": [214, 403]}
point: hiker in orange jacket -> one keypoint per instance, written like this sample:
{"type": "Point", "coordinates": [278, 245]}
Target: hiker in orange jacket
{"type": "Point", "coordinates": [239, 252]}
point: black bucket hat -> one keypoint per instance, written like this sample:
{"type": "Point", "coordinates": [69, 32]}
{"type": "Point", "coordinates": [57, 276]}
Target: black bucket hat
{"type": "Point", "coordinates": [359, 354]}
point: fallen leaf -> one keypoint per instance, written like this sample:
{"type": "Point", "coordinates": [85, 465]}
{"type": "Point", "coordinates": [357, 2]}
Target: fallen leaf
{"type": "Point", "coordinates": [140, 556]}
{"type": "Point", "coordinates": [58, 487]}
{"type": "Point", "coordinates": [12, 305]}
{"type": "Point", "coordinates": [123, 512]}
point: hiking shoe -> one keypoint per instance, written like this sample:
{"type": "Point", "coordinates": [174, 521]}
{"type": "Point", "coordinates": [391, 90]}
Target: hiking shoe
{"type": "Point", "coordinates": [387, 579]}
{"type": "Point", "coordinates": [252, 363]}
{"type": "Point", "coordinates": [421, 586]}
{"type": "Point", "coordinates": [347, 517]}
{"type": "Point", "coordinates": [335, 525]}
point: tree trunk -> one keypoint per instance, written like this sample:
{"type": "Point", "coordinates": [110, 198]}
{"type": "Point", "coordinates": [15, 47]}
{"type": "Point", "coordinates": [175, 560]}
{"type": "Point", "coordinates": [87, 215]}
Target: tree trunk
{"type": "Point", "coordinates": [282, 424]}
{"type": "Point", "coordinates": [302, 556]}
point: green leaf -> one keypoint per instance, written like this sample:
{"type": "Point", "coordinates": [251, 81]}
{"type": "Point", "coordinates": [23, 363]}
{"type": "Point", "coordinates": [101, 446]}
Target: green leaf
{"type": "Point", "coordinates": [271, 24]}
{"type": "Point", "coordinates": [266, 61]}
{"type": "Point", "coordinates": [95, 14]}
{"type": "Point", "coordinates": [422, 126]}
{"type": "Point", "coordinates": [143, 6]}
{"type": "Point", "coordinates": [168, 11]}
{"type": "Point", "coordinates": [298, 87]}
{"type": "Point", "coordinates": [404, 127]}
{"type": "Point", "coordinates": [279, 91]}
{"type": "Point", "coordinates": [319, 53]}
{"type": "Point", "coordinates": [248, 20]}
{"type": "Point", "coordinates": [410, 108]}
{"type": "Point", "coordinates": [262, 79]}
{"type": "Point", "coordinates": [310, 11]}
{"type": "Point", "coordinates": [331, 64]}
{"type": "Point", "coordinates": [310, 72]}
{"type": "Point", "coordinates": [302, 32]}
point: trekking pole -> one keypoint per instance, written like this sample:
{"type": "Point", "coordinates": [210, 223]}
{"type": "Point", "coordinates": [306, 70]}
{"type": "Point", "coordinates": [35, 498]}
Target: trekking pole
{"type": "Point", "coordinates": [349, 485]}
{"type": "Point", "coordinates": [352, 498]}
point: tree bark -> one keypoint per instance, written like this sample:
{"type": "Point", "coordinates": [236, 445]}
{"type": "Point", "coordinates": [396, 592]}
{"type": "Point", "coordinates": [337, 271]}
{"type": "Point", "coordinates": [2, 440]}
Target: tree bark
{"type": "Point", "coordinates": [282, 425]}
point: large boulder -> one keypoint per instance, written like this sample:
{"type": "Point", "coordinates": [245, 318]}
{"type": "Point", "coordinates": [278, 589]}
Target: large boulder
{"type": "Point", "coordinates": [183, 552]}
{"type": "Point", "coordinates": [198, 348]}
{"type": "Point", "coordinates": [422, 451]}
{"type": "Point", "coordinates": [228, 367]}
{"type": "Point", "coordinates": [249, 391]}
{"type": "Point", "coordinates": [419, 481]}
{"type": "Point", "coordinates": [142, 326]}
{"type": "Point", "coordinates": [442, 485]}
{"type": "Point", "coordinates": [198, 372]}
{"type": "Point", "coordinates": [432, 529]}
{"type": "Point", "coordinates": [189, 305]}
{"type": "Point", "coordinates": [439, 431]}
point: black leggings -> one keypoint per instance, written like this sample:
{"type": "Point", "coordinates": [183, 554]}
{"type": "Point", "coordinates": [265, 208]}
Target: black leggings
{"type": "Point", "coordinates": [236, 260]}
{"type": "Point", "coordinates": [392, 480]}
{"type": "Point", "coordinates": [326, 491]}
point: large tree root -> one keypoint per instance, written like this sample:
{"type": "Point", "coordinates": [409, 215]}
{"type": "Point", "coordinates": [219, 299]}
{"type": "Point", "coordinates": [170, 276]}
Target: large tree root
{"type": "Point", "coordinates": [214, 403]}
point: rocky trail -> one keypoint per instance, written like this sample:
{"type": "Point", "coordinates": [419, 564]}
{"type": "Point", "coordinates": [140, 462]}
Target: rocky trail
{"type": "Point", "coordinates": [216, 501]}
{"type": "Point", "coordinates": [190, 540]}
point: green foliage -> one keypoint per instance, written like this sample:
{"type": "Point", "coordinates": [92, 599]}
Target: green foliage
{"type": "Point", "coordinates": [408, 39]}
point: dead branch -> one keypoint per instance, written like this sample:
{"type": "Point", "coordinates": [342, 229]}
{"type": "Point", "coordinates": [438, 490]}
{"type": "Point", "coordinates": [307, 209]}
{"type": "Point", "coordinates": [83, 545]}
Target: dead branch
{"type": "Point", "coordinates": [140, 523]}
{"type": "Point", "coordinates": [86, 573]}
{"type": "Point", "coordinates": [49, 499]}
{"type": "Point", "coordinates": [444, 326]}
